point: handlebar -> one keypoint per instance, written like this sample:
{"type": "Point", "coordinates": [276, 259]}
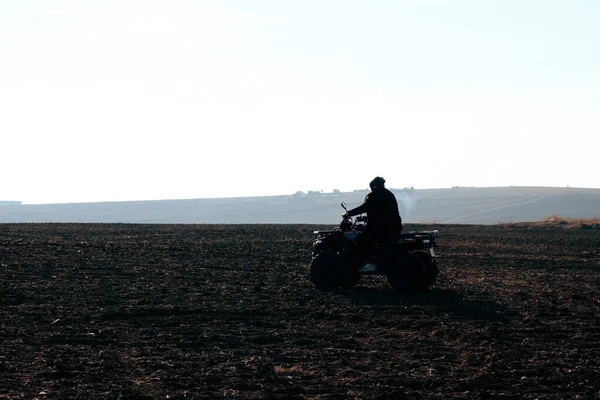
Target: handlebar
{"type": "Point", "coordinates": [359, 218]}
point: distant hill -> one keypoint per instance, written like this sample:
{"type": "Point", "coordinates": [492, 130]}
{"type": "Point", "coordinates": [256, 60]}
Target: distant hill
{"type": "Point", "coordinates": [9, 203]}
{"type": "Point", "coordinates": [459, 205]}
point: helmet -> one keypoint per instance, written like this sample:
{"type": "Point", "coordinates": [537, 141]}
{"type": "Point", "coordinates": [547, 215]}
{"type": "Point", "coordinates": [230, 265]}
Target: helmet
{"type": "Point", "coordinates": [377, 183]}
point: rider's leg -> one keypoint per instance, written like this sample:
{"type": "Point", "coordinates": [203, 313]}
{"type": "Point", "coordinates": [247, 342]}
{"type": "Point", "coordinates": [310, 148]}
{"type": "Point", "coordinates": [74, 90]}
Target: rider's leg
{"type": "Point", "coordinates": [364, 244]}
{"type": "Point", "coordinates": [384, 253]}
{"type": "Point", "coordinates": [388, 240]}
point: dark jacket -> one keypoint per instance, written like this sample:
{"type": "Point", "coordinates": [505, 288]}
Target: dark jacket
{"type": "Point", "coordinates": [382, 211]}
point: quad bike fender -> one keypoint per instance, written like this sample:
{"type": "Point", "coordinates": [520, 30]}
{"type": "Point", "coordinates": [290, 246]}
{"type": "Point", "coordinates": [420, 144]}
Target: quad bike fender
{"type": "Point", "coordinates": [336, 242]}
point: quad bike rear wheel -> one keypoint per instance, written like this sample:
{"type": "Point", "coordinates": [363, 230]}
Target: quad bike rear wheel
{"type": "Point", "coordinates": [432, 269]}
{"type": "Point", "coordinates": [411, 272]}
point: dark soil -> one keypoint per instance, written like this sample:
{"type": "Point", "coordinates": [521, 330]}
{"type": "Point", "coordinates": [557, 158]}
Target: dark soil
{"type": "Point", "coordinates": [96, 311]}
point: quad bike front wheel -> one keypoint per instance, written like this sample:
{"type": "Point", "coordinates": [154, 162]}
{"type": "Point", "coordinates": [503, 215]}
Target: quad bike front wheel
{"type": "Point", "coordinates": [325, 269]}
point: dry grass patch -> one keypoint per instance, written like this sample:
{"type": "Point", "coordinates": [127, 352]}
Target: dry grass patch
{"type": "Point", "coordinates": [555, 220]}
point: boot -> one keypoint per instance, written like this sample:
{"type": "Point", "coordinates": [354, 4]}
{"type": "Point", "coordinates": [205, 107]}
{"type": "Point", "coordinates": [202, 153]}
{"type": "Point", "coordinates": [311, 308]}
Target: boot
{"type": "Point", "coordinates": [370, 267]}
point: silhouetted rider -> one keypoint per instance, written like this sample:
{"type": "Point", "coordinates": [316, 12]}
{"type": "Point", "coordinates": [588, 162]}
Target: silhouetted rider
{"type": "Point", "coordinates": [383, 222]}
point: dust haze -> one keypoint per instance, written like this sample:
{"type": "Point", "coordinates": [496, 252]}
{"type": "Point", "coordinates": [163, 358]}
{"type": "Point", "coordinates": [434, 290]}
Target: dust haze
{"type": "Point", "coordinates": [457, 205]}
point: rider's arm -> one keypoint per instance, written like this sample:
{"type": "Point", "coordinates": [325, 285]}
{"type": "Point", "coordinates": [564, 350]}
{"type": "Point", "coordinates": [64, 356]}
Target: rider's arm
{"type": "Point", "coordinates": [358, 210]}
{"type": "Point", "coordinates": [363, 208]}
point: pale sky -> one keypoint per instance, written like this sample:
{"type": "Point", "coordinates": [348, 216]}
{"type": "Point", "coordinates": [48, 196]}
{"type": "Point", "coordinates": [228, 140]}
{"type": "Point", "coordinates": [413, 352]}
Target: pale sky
{"type": "Point", "coordinates": [106, 100]}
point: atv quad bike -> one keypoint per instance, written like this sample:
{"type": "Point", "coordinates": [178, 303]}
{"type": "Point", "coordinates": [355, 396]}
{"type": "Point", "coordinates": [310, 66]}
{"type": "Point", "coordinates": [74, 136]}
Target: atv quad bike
{"type": "Point", "coordinates": [336, 260]}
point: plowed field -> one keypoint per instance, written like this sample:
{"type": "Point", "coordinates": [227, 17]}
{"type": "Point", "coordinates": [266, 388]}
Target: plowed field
{"type": "Point", "coordinates": [94, 311]}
